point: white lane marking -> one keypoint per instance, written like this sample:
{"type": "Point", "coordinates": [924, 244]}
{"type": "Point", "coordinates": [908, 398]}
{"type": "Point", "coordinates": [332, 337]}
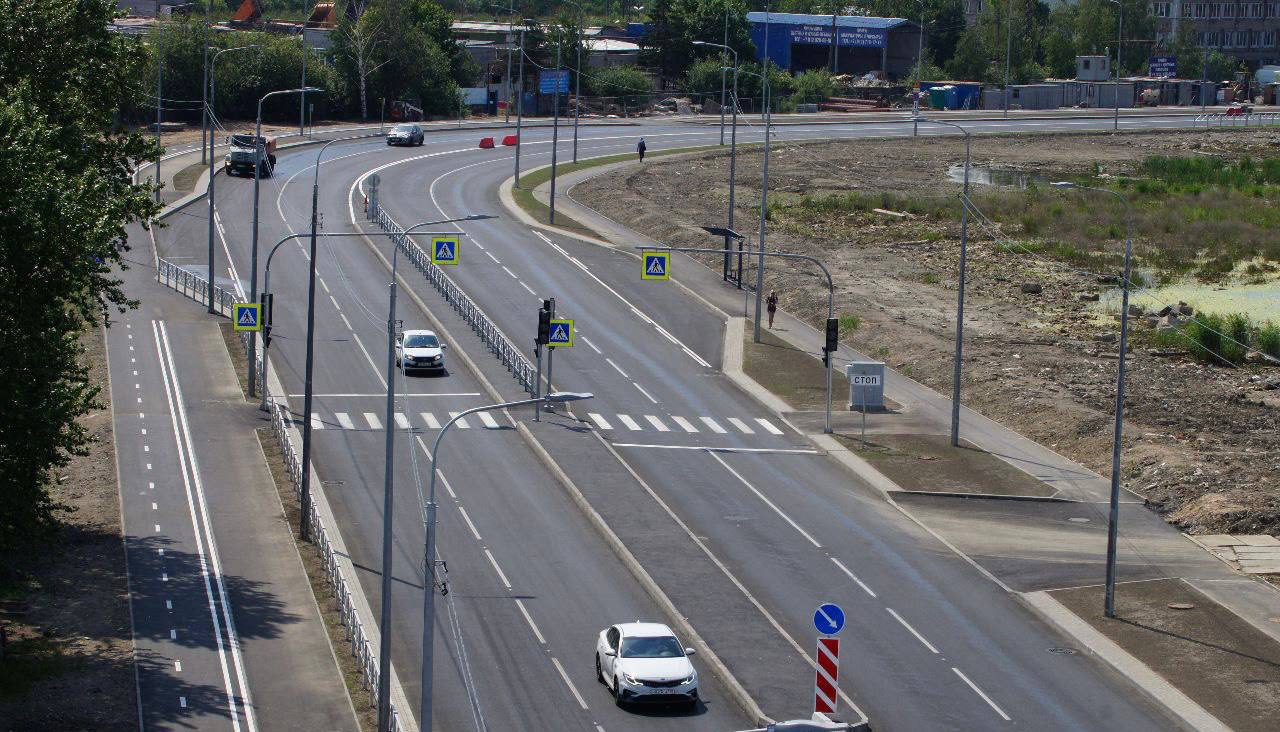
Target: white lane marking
{"type": "Point", "coordinates": [582, 702]}
{"type": "Point", "coordinates": [768, 425]}
{"type": "Point", "coordinates": [154, 507]}
{"type": "Point", "coordinates": [529, 619]}
{"type": "Point", "coordinates": [177, 666]}
{"type": "Point", "coordinates": [488, 420]}
{"type": "Point", "coordinates": [164, 577]}
{"type": "Point", "coordinates": [157, 528]}
{"type": "Point", "coordinates": [642, 391]}
{"type": "Point", "coordinates": [376, 371]}
{"type": "Point", "coordinates": [615, 293]}
{"type": "Point", "coordinates": [324, 286]}
{"type": "Point", "coordinates": [495, 259]}
{"type": "Point", "coordinates": [629, 422]}
{"type": "Point", "coordinates": [502, 576]}
{"type": "Point", "coordinates": [381, 395]}
{"type": "Point", "coordinates": [617, 367]}
{"type": "Point", "coordinates": [589, 343]}
{"type": "Point", "coordinates": [513, 274]}
{"type": "Point", "coordinates": [372, 419]}
{"type": "Point", "coordinates": [462, 421]}
{"type": "Point", "coordinates": [741, 425]}
{"type": "Point", "coordinates": [148, 466]}
{"type": "Point", "coordinates": [470, 525]}
{"type": "Point", "coordinates": [530, 289]}
{"type": "Point", "coordinates": [191, 475]}
{"type": "Point", "coordinates": [431, 421]}
{"type": "Point", "coordinates": [146, 448]}
{"type": "Point", "coordinates": [685, 424]}
{"type": "Point", "coordinates": [402, 421]}
{"type": "Point", "coordinates": [980, 693]}
{"type": "Point", "coordinates": [316, 422]}
{"type": "Point", "coordinates": [714, 425]}
{"type": "Point", "coordinates": [767, 502]}
{"type": "Point", "coordinates": [168, 604]}
{"type": "Point", "coordinates": [854, 577]}
{"type": "Point", "coordinates": [345, 321]}
{"type": "Point", "coordinates": [716, 448]}
{"type": "Point", "coordinates": [657, 423]}
{"type": "Point", "coordinates": [182, 702]}
{"type": "Point", "coordinates": [600, 421]}
{"type": "Point", "coordinates": [336, 306]}
{"type": "Point", "coordinates": [345, 420]}
{"type": "Point", "coordinates": [914, 632]}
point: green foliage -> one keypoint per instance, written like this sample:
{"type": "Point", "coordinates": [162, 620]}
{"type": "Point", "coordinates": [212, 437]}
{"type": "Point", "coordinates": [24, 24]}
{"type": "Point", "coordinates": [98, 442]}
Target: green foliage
{"type": "Point", "coordinates": [678, 23]}
{"type": "Point", "coordinates": [619, 81]}
{"type": "Point", "coordinates": [703, 77]}
{"type": "Point", "coordinates": [1211, 341]}
{"type": "Point", "coordinates": [1181, 173]}
{"type": "Point", "coordinates": [849, 323]}
{"type": "Point", "coordinates": [65, 198]}
{"type": "Point", "coordinates": [812, 87]}
{"type": "Point", "coordinates": [1267, 339]}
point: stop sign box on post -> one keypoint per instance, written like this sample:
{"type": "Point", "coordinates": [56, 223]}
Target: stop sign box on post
{"type": "Point", "coordinates": [866, 384]}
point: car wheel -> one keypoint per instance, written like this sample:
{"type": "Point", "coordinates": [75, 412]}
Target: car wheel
{"type": "Point", "coordinates": [599, 671]}
{"type": "Point", "coordinates": [617, 692]}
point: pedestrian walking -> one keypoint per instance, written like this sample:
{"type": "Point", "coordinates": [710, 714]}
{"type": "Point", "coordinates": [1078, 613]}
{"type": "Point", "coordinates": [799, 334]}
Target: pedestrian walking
{"type": "Point", "coordinates": [640, 148]}
{"type": "Point", "coordinates": [772, 303]}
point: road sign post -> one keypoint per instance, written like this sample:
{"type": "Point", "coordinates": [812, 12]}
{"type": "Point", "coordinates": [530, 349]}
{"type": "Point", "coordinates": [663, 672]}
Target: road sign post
{"type": "Point", "coordinates": [828, 619]}
{"type": "Point", "coordinates": [657, 266]}
{"type": "Point", "coordinates": [444, 250]}
{"type": "Point", "coordinates": [246, 316]}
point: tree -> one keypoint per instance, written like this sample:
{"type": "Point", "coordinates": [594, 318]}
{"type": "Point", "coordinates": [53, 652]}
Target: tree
{"type": "Point", "coordinates": [66, 196]}
{"type": "Point", "coordinates": [620, 81]}
{"type": "Point", "coordinates": [812, 87]}
{"type": "Point", "coordinates": [678, 23]}
{"type": "Point", "coordinates": [356, 44]}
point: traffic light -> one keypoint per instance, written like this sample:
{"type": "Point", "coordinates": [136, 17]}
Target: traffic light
{"type": "Point", "coordinates": [833, 339]}
{"type": "Point", "coordinates": [544, 321]}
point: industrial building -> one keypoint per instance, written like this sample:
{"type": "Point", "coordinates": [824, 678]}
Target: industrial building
{"type": "Point", "coordinates": [1249, 31]}
{"type": "Point", "coordinates": [798, 42]}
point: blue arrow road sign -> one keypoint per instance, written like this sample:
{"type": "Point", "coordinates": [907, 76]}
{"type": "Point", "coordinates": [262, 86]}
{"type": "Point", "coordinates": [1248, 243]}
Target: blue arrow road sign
{"type": "Point", "coordinates": [828, 618]}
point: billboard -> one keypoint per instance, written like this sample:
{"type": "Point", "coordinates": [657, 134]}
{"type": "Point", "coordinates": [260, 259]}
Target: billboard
{"type": "Point", "coordinates": [821, 35]}
{"type": "Point", "coordinates": [1162, 66]}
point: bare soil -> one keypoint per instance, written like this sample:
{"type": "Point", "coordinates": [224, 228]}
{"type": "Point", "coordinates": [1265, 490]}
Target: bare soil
{"type": "Point", "coordinates": [1200, 441]}
{"type": "Point", "coordinates": [68, 659]}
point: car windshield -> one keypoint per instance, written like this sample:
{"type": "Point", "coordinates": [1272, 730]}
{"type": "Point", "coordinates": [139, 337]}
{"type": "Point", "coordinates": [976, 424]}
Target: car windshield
{"type": "Point", "coordinates": [243, 140]}
{"type": "Point", "coordinates": [404, 128]}
{"type": "Point", "coordinates": [421, 341]}
{"type": "Point", "coordinates": [659, 647]}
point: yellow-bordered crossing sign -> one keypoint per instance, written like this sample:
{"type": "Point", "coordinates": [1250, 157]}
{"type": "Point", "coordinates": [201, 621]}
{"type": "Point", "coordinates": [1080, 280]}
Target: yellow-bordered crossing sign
{"type": "Point", "coordinates": [246, 316]}
{"type": "Point", "coordinates": [657, 266]}
{"type": "Point", "coordinates": [561, 335]}
{"type": "Point", "coordinates": [444, 250]}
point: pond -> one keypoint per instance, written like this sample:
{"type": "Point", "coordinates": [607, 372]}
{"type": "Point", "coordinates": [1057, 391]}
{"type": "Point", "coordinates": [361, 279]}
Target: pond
{"type": "Point", "coordinates": [987, 176]}
{"type": "Point", "coordinates": [1259, 302]}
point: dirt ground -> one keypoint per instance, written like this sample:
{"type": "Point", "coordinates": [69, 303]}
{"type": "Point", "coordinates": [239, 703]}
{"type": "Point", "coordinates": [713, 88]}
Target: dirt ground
{"type": "Point", "coordinates": [1200, 441]}
{"type": "Point", "coordinates": [69, 656]}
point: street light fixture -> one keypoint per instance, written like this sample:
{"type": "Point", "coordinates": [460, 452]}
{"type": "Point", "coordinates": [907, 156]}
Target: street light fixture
{"type": "Point", "coordinates": [1113, 521]}
{"type": "Point", "coordinates": [429, 551]}
{"type": "Point", "coordinates": [764, 192]}
{"type": "Point", "coordinates": [733, 153]}
{"type": "Point", "coordinates": [208, 114]}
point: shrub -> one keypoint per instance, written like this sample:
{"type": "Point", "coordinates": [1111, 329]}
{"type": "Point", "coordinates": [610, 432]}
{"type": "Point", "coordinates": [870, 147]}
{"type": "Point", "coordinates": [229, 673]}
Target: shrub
{"type": "Point", "coordinates": [1268, 339]}
{"type": "Point", "coordinates": [620, 81]}
{"type": "Point", "coordinates": [813, 86]}
{"type": "Point", "coordinates": [849, 323]}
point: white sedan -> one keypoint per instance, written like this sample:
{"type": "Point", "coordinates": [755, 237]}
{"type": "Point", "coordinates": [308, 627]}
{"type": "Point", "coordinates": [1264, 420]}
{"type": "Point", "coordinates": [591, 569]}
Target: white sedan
{"type": "Point", "coordinates": [420, 349]}
{"type": "Point", "coordinates": [645, 662]}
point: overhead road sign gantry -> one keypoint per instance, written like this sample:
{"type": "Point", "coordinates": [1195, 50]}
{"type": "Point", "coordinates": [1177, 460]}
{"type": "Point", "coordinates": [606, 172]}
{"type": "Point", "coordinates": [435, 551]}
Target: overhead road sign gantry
{"type": "Point", "coordinates": [444, 250]}
{"type": "Point", "coordinates": [246, 316]}
{"type": "Point", "coordinates": [561, 334]}
{"type": "Point", "coordinates": [657, 266]}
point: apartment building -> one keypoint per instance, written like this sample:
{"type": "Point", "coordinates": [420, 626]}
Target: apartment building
{"type": "Point", "coordinates": [1249, 31]}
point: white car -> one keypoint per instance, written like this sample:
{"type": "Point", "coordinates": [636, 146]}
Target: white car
{"type": "Point", "coordinates": [645, 662]}
{"type": "Point", "coordinates": [420, 350]}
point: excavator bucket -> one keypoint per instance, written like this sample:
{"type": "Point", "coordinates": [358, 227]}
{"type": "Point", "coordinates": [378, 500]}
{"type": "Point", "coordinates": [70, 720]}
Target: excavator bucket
{"type": "Point", "coordinates": [250, 11]}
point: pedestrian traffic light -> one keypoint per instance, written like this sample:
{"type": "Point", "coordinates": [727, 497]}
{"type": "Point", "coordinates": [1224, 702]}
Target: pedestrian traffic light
{"type": "Point", "coordinates": [833, 339]}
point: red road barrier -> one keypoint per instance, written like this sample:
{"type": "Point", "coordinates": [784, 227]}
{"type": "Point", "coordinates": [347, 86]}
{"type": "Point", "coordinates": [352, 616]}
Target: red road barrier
{"type": "Point", "coordinates": [510, 140]}
{"type": "Point", "coordinates": [826, 678]}
{"type": "Point", "coordinates": [486, 142]}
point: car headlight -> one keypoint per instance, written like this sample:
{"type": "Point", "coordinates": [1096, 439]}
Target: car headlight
{"type": "Point", "coordinates": [437, 357]}
{"type": "Point", "coordinates": [631, 680]}
{"type": "Point", "coordinates": [693, 676]}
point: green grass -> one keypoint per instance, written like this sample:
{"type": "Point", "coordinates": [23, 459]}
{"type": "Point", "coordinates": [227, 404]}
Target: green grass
{"type": "Point", "coordinates": [1268, 339]}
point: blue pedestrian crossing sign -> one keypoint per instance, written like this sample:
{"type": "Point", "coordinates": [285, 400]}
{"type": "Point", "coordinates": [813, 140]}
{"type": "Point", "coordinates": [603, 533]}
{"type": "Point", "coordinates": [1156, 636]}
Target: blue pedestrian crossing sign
{"type": "Point", "coordinates": [444, 250]}
{"type": "Point", "coordinates": [657, 266]}
{"type": "Point", "coordinates": [246, 316]}
{"type": "Point", "coordinates": [828, 618]}
{"type": "Point", "coordinates": [561, 333]}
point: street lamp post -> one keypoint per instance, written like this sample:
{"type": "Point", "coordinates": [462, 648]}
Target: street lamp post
{"type": "Point", "coordinates": [213, 89]}
{"type": "Point", "coordinates": [520, 110]}
{"type": "Point", "coordinates": [964, 252]}
{"type": "Point", "coordinates": [722, 85]}
{"type": "Point", "coordinates": [1113, 521]}
{"type": "Point", "coordinates": [1115, 90]}
{"type": "Point", "coordinates": [429, 550]}
{"type": "Point", "coordinates": [733, 146]}
{"type": "Point", "coordinates": [1008, 50]}
{"type": "Point", "coordinates": [259, 149]}
{"type": "Point", "coordinates": [764, 188]}
{"type": "Point", "coordinates": [555, 134]}
{"type": "Point", "coordinates": [577, 79]}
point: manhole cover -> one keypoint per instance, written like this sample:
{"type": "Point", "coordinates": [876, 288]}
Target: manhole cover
{"type": "Point", "coordinates": [1078, 520]}
{"type": "Point", "coordinates": [1063, 651]}
{"type": "Point", "coordinates": [1181, 606]}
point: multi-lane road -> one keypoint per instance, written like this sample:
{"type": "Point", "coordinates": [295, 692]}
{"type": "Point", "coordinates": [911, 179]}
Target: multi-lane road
{"type": "Point", "coordinates": [738, 519]}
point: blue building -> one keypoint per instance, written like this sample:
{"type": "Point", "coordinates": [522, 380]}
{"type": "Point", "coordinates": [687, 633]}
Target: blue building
{"type": "Point", "coordinates": [798, 42]}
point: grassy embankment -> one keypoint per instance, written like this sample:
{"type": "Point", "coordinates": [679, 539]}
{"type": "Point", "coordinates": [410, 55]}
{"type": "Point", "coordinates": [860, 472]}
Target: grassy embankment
{"type": "Point", "coordinates": [1205, 220]}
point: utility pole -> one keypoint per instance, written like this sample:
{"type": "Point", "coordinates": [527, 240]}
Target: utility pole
{"type": "Point", "coordinates": [724, 59]}
{"type": "Point", "coordinates": [555, 134]}
{"type": "Point", "coordinates": [520, 110]}
{"type": "Point", "coordinates": [1119, 39]}
{"type": "Point", "coordinates": [160, 111]}
{"type": "Point", "coordinates": [1008, 50]}
{"type": "Point", "coordinates": [204, 87]}
{"type": "Point", "coordinates": [511, 28]}
{"type": "Point", "coordinates": [764, 189]}
{"type": "Point", "coordinates": [302, 99]}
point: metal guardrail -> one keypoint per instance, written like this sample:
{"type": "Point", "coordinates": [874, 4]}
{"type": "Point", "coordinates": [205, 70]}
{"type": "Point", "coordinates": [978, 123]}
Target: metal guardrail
{"type": "Point", "coordinates": [1221, 119]}
{"type": "Point", "coordinates": [197, 288]}
{"type": "Point", "coordinates": [497, 341]}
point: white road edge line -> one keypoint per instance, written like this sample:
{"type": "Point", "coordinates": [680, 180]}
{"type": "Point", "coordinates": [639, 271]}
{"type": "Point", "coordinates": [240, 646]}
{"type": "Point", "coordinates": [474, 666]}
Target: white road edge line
{"type": "Point", "coordinates": [914, 632]}
{"type": "Point", "coordinates": [582, 702]}
{"type": "Point", "coordinates": [854, 577]}
{"type": "Point", "coordinates": [982, 694]}
{"type": "Point", "coordinates": [529, 619]}
{"type": "Point", "coordinates": [497, 569]}
{"type": "Point", "coordinates": [767, 502]}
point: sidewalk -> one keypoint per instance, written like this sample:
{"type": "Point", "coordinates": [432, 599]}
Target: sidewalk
{"type": "Point", "coordinates": [1030, 547]}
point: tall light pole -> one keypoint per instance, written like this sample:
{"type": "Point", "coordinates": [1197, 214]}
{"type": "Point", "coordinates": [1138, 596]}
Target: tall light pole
{"type": "Point", "coordinates": [213, 89]}
{"type": "Point", "coordinates": [520, 111]}
{"type": "Point", "coordinates": [555, 132]}
{"type": "Point", "coordinates": [429, 551]}
{"type": "Point", "coordinates": [1008, 50]}
{"type": "Point", "coordinates": [159, 118]}
{"type": "Point", "coordinates": [259, 148]}
{"type": "Point", "coordinates": [204, 88]}
{"type": "Point", "coordinates": [964, 252]}
{"type": "Point", "coordinates": [1119, 39]}
{"type": "Point", "coordinates": [722, 82]}
{"type": "Point", "coordinates": [764, 188]}
{"type": "Point", "coordinates": [733, 148]}
{"type": "Point", "coordinates": [302, 97]}
{"type": "Point", "coordinates": [1113, 521]}
{"type": "Point", "coordinates": [577, 79]}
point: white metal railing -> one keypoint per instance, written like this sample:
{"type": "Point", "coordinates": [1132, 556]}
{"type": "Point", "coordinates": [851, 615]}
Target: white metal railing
{"type": "Point", "coordinates": [1221, 119]}
{"type": "Point", "coordinates": [361, 648]}
{"type": "Point", "coordinates": [497, 341]}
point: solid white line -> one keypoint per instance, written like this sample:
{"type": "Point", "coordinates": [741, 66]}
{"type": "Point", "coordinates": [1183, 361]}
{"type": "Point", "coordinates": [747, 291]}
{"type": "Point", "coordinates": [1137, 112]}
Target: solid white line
{"type": "Point", "coordinates": [715, 448]}
{"type": "Point", "coordinates": [188, 475]}
{"type": "Point", "coordinates": [616, 366]}
{"type": "Point", "coordinates": [430, 419]}
{"type": "Point", "coordinates": [568, 683]}
{"type": "Point", "coordinates": [402, 421]}
{"type": "Point", "coordinates": [714, 425]}
{"type": "Point", "coordinates": [914, 632]}
{"type": "Point", "coordinates": [685, 424]}
{"type": "Point", "coordinates": [629, 422]}
{"type": "Point", "coordinates": [372, 419]}
{"type": "Point", "coordinates": [462, 421]}
{"type": "Point", "coordinates": [768, 425]}
{"type": "Point", "coordinates": [657, 423]}
{"type": "Point", "coordinates": [642, 391]}
{"type": "Point", "coordinates": [767, 502]}
{"type": "Point", "coordinates": [854, 577]}
{"type": "Point", "coordinates": [367, 357]}
{"type": "Point", "coordinates": [177, 666]}
{"type": "Point", "coordinates": [600, 421]}
{"type": "Point", "coordinates": [470, 525]}
{"type": "Point", "coordinates": [488, 420]}
{"type": "Point", "coordinates": [497, 569]}
{"type": "Point", "coordinates": [528, 619]}
{"type": "Point", "coordinates": [589, 343]}
{"type": "Point", "coordinates": [980, 693]}
{"type": "Point", "coordinates": [741, 425]}
{"type": "Point", "coordinates": [344, 420]}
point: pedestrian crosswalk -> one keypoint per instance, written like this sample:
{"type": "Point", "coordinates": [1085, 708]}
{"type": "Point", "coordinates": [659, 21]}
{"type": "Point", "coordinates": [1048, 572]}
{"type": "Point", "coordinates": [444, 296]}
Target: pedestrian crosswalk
{"type": "Point", "coordinates": [618, 423]}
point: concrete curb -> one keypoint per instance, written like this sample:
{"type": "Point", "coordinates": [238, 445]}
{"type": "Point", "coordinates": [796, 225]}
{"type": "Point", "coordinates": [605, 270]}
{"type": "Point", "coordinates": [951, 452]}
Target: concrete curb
{"type": "Point", "coordinates": [1160, 691]}
{"type": "Point", "coordinates": [735, 688]}
{"type": "Point", "coordinates": [795, 121]}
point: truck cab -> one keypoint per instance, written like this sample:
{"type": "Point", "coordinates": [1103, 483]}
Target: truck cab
{"type": "Point", "coordinates": [246, 151]}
